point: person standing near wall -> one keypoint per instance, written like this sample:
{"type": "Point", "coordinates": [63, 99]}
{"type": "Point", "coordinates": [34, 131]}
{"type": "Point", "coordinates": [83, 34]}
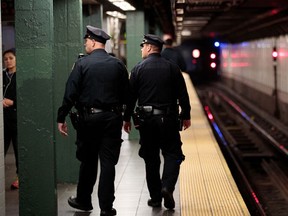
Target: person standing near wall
{"type": "Point", "coordinates": [97, 87]}
{"type": "Point", "coordinates": [158, 85]}
{"type": "Point", "coordinates": [171, 53]}
{"type": "Point", "coordinates": [10, 107]}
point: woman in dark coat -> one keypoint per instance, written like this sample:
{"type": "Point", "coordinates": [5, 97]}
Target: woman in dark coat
{"type": "Point", "coordinates": [9, 106]}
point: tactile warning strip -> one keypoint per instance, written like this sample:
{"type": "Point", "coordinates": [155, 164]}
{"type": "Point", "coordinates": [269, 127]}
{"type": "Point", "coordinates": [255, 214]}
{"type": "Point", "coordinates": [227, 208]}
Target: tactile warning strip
{"type": "Point", "coordinates": [206, 183]}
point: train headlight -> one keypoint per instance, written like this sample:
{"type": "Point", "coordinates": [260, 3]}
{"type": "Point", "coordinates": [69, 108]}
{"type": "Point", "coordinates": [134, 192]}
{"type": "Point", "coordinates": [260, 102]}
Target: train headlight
{"type": "Point", "coordinates": [213, 65]}
{"type": "Point", "coordinates": [196, 53]}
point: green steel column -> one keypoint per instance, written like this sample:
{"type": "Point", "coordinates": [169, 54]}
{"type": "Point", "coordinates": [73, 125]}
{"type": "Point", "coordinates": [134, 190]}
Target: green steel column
{"type": "Point", "coordinates": [34, 42]}
{"type": "Point", "coordinates": [68, 43]}
{"type": "Point", "coordinates": [2, 166]}
{"type": "Point", "coordinates": [92, 15]}
{"type": "Point", "coordinates": [135, 25]}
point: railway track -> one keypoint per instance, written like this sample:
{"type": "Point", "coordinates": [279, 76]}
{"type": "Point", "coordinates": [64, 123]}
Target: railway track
{"type": "Point", "coordinates": [255, 149]}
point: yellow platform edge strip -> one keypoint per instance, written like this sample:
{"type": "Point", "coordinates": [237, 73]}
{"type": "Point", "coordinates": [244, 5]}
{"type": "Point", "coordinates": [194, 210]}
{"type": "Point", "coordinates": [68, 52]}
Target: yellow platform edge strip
{"type": "Point", "coordinates": [206, 184]}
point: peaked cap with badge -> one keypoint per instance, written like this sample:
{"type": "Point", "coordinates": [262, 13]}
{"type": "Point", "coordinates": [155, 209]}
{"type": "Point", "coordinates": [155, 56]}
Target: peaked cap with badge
{"type": "Point", "coordinates": [96, 34]}
{"type": "Point", "coordinates": [152, 39]}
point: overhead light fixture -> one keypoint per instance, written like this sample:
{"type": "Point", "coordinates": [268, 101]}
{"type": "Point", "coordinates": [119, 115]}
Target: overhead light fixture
{"type": "Point", "coordinates": [186, 32]}
{"type": "Point", "coordinates": [192, 22]}
{"type": "Point", "coordinates": [122, 4]}
{"type": "Point", "coordinates": [116, 14]}
{"type": "Point", "coordinates": [179, 19]}
{"type": "Point", "coordinates": [179, 11]}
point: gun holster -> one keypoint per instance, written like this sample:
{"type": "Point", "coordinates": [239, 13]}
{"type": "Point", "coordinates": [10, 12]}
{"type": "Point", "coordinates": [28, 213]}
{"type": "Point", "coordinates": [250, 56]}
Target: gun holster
{"type": "Point", "coordinates": [75, 119]}
{"type": "Point", "coordinates": [137, 119]}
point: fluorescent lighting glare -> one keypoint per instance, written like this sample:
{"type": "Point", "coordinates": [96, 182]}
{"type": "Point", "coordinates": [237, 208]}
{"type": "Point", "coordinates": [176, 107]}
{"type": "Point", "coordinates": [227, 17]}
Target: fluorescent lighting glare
{"type": "Point", "coordinates": [186, 33]}
{"type": "Point", "coordinates": [125, 6]}
{"type": "Point", "coordinates": [179, 11]}
{"type": "Point", "coordinates": [116, 14]}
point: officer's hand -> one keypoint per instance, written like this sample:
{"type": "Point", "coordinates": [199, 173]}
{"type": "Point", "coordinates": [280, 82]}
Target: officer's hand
{"type": "Point", "coordinates": [186, 124]}
{"type": "Point", "coordinates": [127, 126]}
{"type": "Point", "coordinates": [63, 129]}
{"type": "Point", "coordinates": [7, 102]}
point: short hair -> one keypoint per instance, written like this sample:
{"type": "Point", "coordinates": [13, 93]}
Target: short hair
{"type": "Point", "coordinates": [168, 42]}
{"type": "Point", "coordinates": [156, 48]}
{"type": "Point", "coordinates": [12, 50]}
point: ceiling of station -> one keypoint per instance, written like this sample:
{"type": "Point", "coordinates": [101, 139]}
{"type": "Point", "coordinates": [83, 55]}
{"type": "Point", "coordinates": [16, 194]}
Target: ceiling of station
{"type": "Point", "coordinates": [227, 20]}
{"type": "Point", "coordinates": [230, 20]}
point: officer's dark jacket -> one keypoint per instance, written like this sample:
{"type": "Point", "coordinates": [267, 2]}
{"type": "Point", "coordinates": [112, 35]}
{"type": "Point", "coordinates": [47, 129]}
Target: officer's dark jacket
{"type": "Point", "coordinates": [9, 91]}
{"type": "Point", "coordinates": [159, 83]}
{"type": "Point", "coordinates": [175, 56]}
{"type": "Point", "coordinates": [97, 80]}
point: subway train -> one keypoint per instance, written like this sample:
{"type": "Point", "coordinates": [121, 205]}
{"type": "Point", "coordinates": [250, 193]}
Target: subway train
{"type": "Point", "coordinates": [202, 59]}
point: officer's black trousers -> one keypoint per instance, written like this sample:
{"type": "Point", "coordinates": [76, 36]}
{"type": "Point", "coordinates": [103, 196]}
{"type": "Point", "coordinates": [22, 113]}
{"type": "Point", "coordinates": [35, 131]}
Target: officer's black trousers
{"type": "Point", "coordinates": [160, 133]}
{"type": "Point", "coordinates": [99, 137]}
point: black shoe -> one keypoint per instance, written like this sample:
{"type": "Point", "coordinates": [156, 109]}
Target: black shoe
{"type": "Point", "coordinates": [169, 202]}
{"type": "Point", "coordinates": [73, 202]}
{"type": "Point", "coordinates": [110, 212]}
{"type": "Point", "coordinates": [154, 203]}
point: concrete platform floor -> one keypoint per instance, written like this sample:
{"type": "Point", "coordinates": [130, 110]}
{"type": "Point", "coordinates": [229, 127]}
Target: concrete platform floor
{"type": "Point", "coordinates": [131, 190]}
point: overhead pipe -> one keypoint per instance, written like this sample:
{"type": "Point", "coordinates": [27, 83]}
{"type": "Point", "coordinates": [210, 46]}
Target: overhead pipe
{"type": "Point", "coordinates": [259, 18]}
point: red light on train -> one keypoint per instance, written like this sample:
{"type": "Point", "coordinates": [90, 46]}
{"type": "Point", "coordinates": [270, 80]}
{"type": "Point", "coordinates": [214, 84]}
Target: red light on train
{"type": "Point", "coordinates": [274, 54]}
{"type": "Point", "coordinates": [213, 65]}
{"type": "Point", "coordinates": [212, 55]}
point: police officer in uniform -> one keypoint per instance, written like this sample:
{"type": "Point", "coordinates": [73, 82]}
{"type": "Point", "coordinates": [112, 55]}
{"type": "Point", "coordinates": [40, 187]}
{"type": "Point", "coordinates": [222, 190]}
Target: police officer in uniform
{"type": "Point", "coordinates": [171, 53]}
{"type": "Point", "coordinates": [98, 88]}
{"type": "Point", "coordinates": [159, 87]}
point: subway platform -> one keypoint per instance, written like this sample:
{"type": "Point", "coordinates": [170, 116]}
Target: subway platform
{"type": "Point", "coordinates": [205, 186]}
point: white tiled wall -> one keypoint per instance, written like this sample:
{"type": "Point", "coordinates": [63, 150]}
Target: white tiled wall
{"type": "Point", "coordinates": [2, 167]}
{"type": "Point", "coordinates": [283, 66]}
{"type": "Point", "coordinates": [252, 63]}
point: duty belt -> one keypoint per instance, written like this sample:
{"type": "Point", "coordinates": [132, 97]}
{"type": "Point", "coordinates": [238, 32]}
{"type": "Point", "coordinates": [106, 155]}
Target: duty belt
{"type": "Point", "coordinates": [159, 112]}
{"type": "Point", "coordinates": [93, 110]}
{"type": "Point", "coordinates": [152, 110]}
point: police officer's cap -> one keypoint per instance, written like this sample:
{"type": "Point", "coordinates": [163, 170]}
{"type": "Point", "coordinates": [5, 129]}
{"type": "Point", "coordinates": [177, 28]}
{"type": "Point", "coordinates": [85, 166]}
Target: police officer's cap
{"type": "Point", "coordinates": [96, 34]}
{"type": "Point", "coordinates": [152, 39]}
